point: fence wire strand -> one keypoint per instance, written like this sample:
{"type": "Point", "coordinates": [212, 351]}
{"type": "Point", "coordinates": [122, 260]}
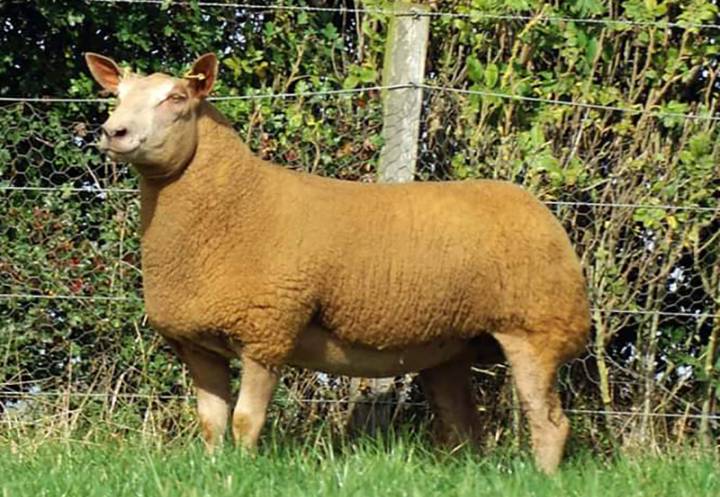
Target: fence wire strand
{"type": "Point", "coordinates": [429, 87]}
{"type": "Point", "coordinates": [469, 15]}
{"type": "Point", "coordinates": [344, 402]}
{"type": "Point", "coordinates": [226, 98]}
{"type": "Point", "coordinates": [571, 103]}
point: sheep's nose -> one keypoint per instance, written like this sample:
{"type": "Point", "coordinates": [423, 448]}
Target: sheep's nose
{"type": "Point", "coordinates": [114, 131]}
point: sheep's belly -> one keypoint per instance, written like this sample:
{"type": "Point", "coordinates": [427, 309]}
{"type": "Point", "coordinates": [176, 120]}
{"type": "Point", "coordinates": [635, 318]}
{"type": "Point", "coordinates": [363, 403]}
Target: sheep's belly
{"type": "Point", "coordinates": [319, 350]}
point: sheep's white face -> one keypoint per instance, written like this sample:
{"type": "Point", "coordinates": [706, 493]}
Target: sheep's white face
{"type": "Point", "coordinates": [154, 123]}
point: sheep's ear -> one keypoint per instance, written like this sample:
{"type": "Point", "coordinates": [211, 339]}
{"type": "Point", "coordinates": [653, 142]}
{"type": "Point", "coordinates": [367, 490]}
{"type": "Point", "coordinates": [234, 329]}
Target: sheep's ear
{"type": "Point", "coordinates": [202, 75]}
{"type": "Point", "coordinates": [104, 70]}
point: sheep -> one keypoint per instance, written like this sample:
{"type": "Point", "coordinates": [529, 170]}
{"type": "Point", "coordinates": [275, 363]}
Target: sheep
{"type": "Point", "coordinates": [244, 258]}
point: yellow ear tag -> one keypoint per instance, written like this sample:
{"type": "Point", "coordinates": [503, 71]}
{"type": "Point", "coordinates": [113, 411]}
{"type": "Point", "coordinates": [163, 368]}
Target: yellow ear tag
{"type": "Point", "coordinates": [190, 75]}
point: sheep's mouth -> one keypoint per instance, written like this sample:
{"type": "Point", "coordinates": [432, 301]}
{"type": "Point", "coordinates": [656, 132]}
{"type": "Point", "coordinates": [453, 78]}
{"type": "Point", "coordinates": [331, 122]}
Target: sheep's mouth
{"type": "Point", "coordinates": [121, 153]}
{"type": "Point", "coordinates": [118, 152]}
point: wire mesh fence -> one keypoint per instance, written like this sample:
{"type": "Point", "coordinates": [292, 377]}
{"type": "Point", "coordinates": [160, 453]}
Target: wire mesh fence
{"type": "Point", "coordinates": [635, 183]}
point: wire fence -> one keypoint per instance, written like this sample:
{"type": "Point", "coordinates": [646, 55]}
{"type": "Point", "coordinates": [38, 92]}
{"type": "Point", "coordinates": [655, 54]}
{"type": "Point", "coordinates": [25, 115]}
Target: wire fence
{"type": "Point", "coordinates": [70, 291]}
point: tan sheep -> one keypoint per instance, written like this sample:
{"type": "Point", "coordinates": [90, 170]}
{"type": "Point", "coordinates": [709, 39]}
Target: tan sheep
{"type": "Point", "coordinates": [245, 258]}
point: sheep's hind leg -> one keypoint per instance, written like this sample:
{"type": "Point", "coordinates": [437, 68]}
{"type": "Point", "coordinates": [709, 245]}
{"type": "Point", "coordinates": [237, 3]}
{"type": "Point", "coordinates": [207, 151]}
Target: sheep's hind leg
{"type": "Point", "coordinates": [448, 388]}
{"type": "Point", "coordinates": [256, 389]}
{"type": "Point", "coordinates": [211, 375]}
{"type": "Point", "coordinates": [534, 367]}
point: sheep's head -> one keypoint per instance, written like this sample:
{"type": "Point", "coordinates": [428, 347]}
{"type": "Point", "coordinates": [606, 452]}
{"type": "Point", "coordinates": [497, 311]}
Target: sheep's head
{"type": "Point", "coordinates": [154, 124]}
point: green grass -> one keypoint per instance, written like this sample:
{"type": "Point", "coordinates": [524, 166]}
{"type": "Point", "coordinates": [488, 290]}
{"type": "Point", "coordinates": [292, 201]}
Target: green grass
{"type": "Point", "coordinates": [364, 468]}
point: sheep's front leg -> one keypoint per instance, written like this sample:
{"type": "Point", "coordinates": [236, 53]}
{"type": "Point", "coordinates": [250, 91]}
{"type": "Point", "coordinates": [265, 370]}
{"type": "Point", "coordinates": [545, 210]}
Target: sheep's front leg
{"type": "Point", "coordinates": [256, 389]}
{"type": "Point", "coordinates": [211, 375]}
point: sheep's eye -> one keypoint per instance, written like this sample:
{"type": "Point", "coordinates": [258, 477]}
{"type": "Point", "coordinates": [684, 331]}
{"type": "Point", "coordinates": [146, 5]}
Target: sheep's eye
{"type": "Point", "coordinates": [176, 97]}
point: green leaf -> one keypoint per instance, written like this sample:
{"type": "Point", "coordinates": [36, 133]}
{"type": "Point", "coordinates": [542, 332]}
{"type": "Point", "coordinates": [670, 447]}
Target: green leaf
{"type": "Point", "coordinates": [591, 49]}
{"type": "Point", "coordinates": [537, 137]}
{"type": "Point", "coordinates": [676, 110]}
{"type": "Point", "coordinates": [491, 75]}
{"type": "Point", "coordinates": [74, 19]}
{"type": "Point", "coordinates": [459, 166]}
{"type": "Point", "coordinates": [649, 217]}
{"type": "Point", "coordinates": [367, 75]}
{"type": "Point", "coordinates": [518, 4]}
{"type": "Point", "coordinates": [350, 82]}
{"type": "Point", "coordinates": [360, 74]}
{"type": "Point", "coordinates": [330, 32]}
{"type": "Point", "coordinates": [589, 7]}
{"type": "Point", "coordinates": [700, 144]}
{"type": "Point", "coordinates": [475, 70]}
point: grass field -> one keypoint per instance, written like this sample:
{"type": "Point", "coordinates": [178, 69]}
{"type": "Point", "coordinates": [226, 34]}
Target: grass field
{"type": "Point", "coordinates": [400, 467]}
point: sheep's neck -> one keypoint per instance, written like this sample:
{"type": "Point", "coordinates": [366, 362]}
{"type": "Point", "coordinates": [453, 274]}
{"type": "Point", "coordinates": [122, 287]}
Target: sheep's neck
{"type": "Point", "coordinates": [219, 192]}
{"type": "Point", "coordinates": [222, 172]}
